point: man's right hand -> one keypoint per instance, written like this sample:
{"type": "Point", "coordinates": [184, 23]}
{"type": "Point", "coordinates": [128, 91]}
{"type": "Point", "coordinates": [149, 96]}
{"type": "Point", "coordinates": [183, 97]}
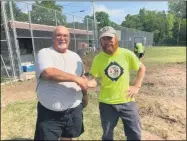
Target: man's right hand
{"type": "Point", "coordinates": [82, 82]}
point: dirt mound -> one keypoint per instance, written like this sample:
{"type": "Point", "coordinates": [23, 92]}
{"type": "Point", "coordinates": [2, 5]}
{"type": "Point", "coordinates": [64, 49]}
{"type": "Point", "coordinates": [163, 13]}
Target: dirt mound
{"type": "Point", "coordinates": [162, 101]}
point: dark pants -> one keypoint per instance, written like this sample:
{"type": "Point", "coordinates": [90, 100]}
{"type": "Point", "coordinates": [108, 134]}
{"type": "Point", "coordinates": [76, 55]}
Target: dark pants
{"type": "Point", "coordinates": [127, 112]}
{"type": "Point", "coordinates": [52, 125]}
{"type": "Point", "coordinates": [140, 55]}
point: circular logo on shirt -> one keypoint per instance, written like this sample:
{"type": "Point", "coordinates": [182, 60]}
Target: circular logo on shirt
{"type": "Point", "coordinates": [114, 71]}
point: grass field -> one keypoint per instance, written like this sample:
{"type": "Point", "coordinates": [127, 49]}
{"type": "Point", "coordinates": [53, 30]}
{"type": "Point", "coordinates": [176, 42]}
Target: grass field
{"type": "Point", "coordinates": [161, 55]}
{"type": "Point", "coordinates": [18, 118]}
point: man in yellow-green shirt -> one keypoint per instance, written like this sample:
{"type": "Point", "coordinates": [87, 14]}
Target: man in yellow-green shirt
{"type": "Point", "coordinates": [116, 98]}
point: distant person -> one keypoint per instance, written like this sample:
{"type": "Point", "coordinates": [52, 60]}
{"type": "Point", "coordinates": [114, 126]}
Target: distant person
{"type": "Point", "coordinates": [90, 43]}
{"type": "Point", "coordinates": [135, 49]}
{"type": "Point", "coordinates": [61, 90]}
{"type": "Point", "coordinates": [140, 50]}
{"type": "Point", "coordinates": [116, 98]}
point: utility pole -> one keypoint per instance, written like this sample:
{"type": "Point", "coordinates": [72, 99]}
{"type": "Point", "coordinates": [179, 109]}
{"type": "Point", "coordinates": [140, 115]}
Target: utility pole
{"type": "Point", "coordinates": [95, 25]}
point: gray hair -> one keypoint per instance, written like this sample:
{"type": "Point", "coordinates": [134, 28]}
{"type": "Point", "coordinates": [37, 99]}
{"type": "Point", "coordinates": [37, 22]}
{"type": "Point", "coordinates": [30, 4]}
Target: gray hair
{"type": "Point", "coordinates": [54, 31]}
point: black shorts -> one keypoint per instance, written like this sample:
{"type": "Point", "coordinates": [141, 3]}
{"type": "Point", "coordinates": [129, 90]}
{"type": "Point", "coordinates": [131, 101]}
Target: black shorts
{"type": "Point", "coordinates": [141, 55]}
{"type": "Point", "coordinates": [52, 125]}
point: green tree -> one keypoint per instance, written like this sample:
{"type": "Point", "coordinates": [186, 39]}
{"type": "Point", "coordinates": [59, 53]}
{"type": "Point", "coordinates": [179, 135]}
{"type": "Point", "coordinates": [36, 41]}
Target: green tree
{"type": "Point", "coordinates": [146, 21]}
{"type": "Point", "coordinates": [87, 17]}
{"type": "Point", "coordinates": [182, 30]}
{"type": "Point", "coordinates": [141, 20]}
{"type": "Point", "coordinates": [101, 23]}
{"type": "Point", "coordinates": [179, 29]}
{"type": "Point", "coordinates": [132, 21]}
{"type": "Point", "coordinates": [17, 13]}
{"type": "Point", "coordinates": [170, 22]}
{"type": "Point", "coordinates": [178, 8]}
{"type": "Point", "coordinates": [113, 24]}
{"type": "Point", "coordinates": [90, 21]}
{"type": "Point", "coordinates": [103, 19]}
{"type": "Point", "coordinates": [142, 16]}
{"type": "Point", "coordinates": [50, 5]}
{"type": "Point", "coordinates": [42, 14]}
{"type": "Point", "coordinates": [160, 23]}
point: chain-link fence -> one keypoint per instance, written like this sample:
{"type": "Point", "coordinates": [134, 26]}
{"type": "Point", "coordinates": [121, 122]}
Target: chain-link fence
{"type": "Point", "coordinates": [128, 37]}
{"type": "Point", "coordinates": [8, 55]}
{"type": "Point", "coordinates": [26, 30]}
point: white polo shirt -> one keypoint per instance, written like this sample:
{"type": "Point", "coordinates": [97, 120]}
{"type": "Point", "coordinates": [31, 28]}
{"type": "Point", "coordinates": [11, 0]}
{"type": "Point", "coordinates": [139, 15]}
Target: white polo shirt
{"type": "Point", "coordinates": [58, 96]}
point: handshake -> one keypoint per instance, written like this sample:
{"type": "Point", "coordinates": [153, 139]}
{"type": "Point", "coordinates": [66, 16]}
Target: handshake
{"type": "Point", "coordinates": [83, 81]}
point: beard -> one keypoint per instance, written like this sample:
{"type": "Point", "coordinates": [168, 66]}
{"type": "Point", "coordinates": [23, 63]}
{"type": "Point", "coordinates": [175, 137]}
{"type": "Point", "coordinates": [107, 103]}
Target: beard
{"type": "Point", "coordinates": [62, 46]}
{"type": "Point", "coordinates": [110, 49]}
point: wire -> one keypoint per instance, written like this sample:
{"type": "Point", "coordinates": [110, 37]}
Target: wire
{"type": "Point", "coordinates": [77, 11]}
{"type": "Point", "coordinates": [74, 6]}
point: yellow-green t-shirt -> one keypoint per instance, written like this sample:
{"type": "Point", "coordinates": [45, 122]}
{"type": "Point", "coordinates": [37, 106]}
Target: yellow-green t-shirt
{"type": "Point", "coordinates": [140, 47]}
{"type": "Point", "coordinates": [114, 72]}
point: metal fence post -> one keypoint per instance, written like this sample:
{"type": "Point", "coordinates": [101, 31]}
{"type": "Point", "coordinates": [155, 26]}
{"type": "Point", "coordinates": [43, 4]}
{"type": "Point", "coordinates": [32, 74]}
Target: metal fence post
{"type": "Point", "coordinates": [87, 28]}
{"type": "Point", "coordinates": [96, 34]}
{"type": "Point", "coordinates": [56, 18]}
{"type": "Point", "coordinates": [93, 32]}
{"type": "Point", "coordinates": [15, 40]}
{"type": "Point", "coordinates": [88, 40]}
{"type": "Point", "coordinates": [30, 27]}
{"type": "Point", "coordinates": [8, 38]}
{"type": "Point", "coordinates": [74, 35]}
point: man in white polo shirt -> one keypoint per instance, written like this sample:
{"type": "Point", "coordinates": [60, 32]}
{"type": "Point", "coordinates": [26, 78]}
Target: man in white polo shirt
{"type": "Point", "coordinates": [60, 90]}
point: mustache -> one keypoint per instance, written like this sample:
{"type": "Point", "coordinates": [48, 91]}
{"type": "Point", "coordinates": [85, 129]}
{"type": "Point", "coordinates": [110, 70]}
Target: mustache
{"type": "Point", "coordinates": [109, 44]}
{"type": "Point", "coordinates": [61, 42]}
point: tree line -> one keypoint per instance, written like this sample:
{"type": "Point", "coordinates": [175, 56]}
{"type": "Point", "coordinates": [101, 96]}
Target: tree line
{"type": "Point", "coordinates": [169, 27]}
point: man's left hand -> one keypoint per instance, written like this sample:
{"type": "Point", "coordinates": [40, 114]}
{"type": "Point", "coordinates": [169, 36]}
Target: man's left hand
{"type": "Point", "coordinates": [132, 91]}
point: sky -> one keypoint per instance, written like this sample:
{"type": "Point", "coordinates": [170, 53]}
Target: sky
{"type": "Point", "coordinates": [117, 10]}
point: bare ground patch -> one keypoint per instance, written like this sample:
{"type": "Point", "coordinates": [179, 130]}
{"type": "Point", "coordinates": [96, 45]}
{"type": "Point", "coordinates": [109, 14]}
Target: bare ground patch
{"type": "Point", "coordinates": [162, 101]}
{"type": "Point", "coordinates": [19, 91]}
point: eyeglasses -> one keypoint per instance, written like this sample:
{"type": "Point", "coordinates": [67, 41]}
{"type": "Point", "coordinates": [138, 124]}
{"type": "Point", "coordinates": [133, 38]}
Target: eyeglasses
{"type": "Point", "coordinates": [62, 35]}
